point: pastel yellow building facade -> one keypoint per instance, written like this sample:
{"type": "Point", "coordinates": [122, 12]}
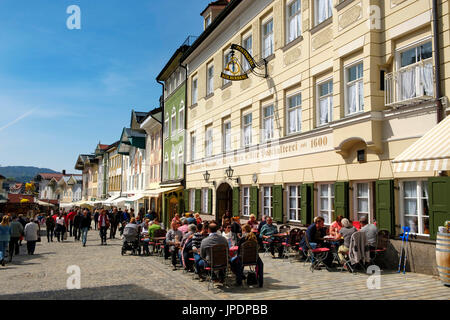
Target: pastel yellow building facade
{"type": "Point", "coordinates": [350, 85]}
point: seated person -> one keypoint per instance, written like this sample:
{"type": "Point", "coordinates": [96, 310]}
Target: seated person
{"type": "Point", "coordinates": [213, 239]}
{"type": "Point", "coordinates": [252, 222]}
{"type": "Point", "coordinates": [236, 229]}
{"type": "Point", "coordinates": [185, 253]}
{"type": "Point", "coordinates": [266, 234]}
{"type": "Point", "coordinates": [184, 226]}
{"type": "Point", "coordinates": [347, 231]}
{"type": "Point", "coordinates": [197, 218]}
{"type": "Point", "coordinates": [191, 219]}
{"type": "Point", "coordinates": [236, 263]}
{"type": "Point", "coordinates": [370, 230]}
{"type": "Point", "coordinates": [173, 240]}
{"type": "Point", "coordinates": [336, 227]}
{"type": "Point", "coordinates": [227, 234]}
{"type": "Point", "coordinates": [315, 234]}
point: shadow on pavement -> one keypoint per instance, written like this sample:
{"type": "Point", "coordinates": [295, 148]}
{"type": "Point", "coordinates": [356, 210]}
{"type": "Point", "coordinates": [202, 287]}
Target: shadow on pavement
{"type": "Point", "coordinates": [122, 292]}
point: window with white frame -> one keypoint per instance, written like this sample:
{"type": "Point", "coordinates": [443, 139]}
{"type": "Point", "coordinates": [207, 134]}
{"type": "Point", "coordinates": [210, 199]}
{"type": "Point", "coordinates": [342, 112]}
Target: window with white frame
{"type": "Point", "coordinates": [172, 164]}
{"type": "Point", "coordinates": [194, 90]}
{"type": "Point", "coordinates": [415, 72]}
{"type": "Point", "coordinates": [294, 113]}
{"type": "Point", "coordinates": [207, 21]}
{"type": "Point", "coordinates": [354, 89]}
{"type": "Point", "coordinates": [208, 142]}
{"type": "Point", "coordinates": [174, 121]}
{"type": "Point", "coordinates": [294, 202]}
{"type": "Point", "coordinates": [414, 206]}
{"type": "Point", "coordinates": [325, 94]}
{"type": "Point", "coordinates": [246, 201]}
{"type": "Point", "coordinates": [362, 201]}
{"type": "Point", "coordinates": [294, 21]}
{"type": "Point", "coordinates": [267, 38]}
{"type": "Point", "coordinates": [226, 60]}
{"type": "Point", "coordinates": [268, 123]}
{"type": "Point", "coordinates": [326, 202]}
{"type": "Point", "coordinates": [226, 139]}
{"type": "Point", "coordinates": [180, 163]}
{"type": "Point", "coordinates": [267, 201]}
{"type": "Point", "coordinates": [166, 126]}
{"type": "Point", "coordinates": [181, 116]}
{"type": "Point", "coordinates": [193, 145]}
{"type": "Point", "coordinates": [204, 200]}
{"type": "Point", "coordinates": [323, 9]}
{"type": "Point", "coordinates": [247, 128]}
{"type": "Point", "coordinates": [247, 43]}
{"type": "Point", "coordinates": [166, 166]}
{"type": "Point", "coordinates": [210, 79]}
{"type": "Point", "coordinates": [192, 200]}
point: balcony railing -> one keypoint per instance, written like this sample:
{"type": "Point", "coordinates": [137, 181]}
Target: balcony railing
{"type": "Point", "coordinates": [410, 85]}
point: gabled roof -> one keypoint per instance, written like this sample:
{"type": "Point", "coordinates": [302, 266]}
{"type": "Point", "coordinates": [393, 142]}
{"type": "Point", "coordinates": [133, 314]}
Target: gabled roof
{"type": "Point", "coordinates": [137, 117]}
{"type": "Point", "coordinates": [84, 159]}
{"type": "Point", "coordinates": [214, 24]}
{"type": "Point", "coordinates": [130, 137]}
{"type": "Point", "coordinates": [218, 3]}
{"type": "Point", "coordinates": [50, 176]}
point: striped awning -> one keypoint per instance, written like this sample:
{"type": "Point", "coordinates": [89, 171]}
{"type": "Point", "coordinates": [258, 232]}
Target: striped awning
{"type": "Point", "coordinates": [430, 153]}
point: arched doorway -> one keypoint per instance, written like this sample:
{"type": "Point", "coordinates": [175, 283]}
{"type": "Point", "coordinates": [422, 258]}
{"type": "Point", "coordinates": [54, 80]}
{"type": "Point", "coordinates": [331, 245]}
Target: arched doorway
{"type": "Point", "coordinates": [173, 208]}
{"type": "Point", "coordinates": [224, 200]}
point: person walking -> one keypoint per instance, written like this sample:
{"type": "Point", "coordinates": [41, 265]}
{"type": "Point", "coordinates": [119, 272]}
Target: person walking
{"type": "Point", "coordinates": [5, 236]}
{"type": "Point", "coordinates": [60, 228]}
{"type": "Point", "coordinates": [16, 233]}
{"type": "Point", "coordinates": [114, 223]}
{"type": "Point", "coordinates": [96, 214]}
{"type": "Point", "coordinates": [31, 236]}
{"type": "Point", "coordinates": [23, 223]}
{"type": "Point", "coordinates": [50, 226]}
{"type": "Point", "coordinates": [77, 225]}
{"type": "Point", "coordinates": [103, 225]}
{"type": "Point", "coordinates": [85, 223]}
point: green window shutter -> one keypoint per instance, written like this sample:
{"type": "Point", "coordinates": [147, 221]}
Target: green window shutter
{"type": "Point", "coordinates": [236, 200]}
{"type": "Point", "coordinates": [438, 202]}
{"type": "Point", "coordinates": [210, 199]}
{"type": "Point", "coordinates": [277, 196]}
{"type": "Point", "coordinates": [341, 200]}
{"type": "Point", "coordinates": [384, 203]}
{"type": "Point", "coordinates": [254, 201]}
{"type": "Point", "coordinates": [307, 203]}
{"type": "Point", "coordinates": [198, 200]}
{"type": "Point", "coordinates": [186, 200]}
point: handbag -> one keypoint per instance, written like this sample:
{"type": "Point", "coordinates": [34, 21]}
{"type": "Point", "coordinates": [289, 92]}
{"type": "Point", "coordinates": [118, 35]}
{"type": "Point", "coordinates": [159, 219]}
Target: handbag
{"type": "Point", "coordinates": [38, 239]}
{"type": "Point", "coordinates": [251, 278]}
{"type": "Point", "coordinates": [65, 235]}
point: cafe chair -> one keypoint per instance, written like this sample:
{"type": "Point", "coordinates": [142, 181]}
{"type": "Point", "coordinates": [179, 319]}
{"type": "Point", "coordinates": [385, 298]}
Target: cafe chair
{"type": "Point", "coordinates": [316, 256]}
{"type": "Point", "coordinates": [382, 244]}
{"type": "Point", "coordinates": [219, 262]}
{"type": "Point", "coordinates": [359, 250]}
{"type": "Point", "coordinates": [291, 244]}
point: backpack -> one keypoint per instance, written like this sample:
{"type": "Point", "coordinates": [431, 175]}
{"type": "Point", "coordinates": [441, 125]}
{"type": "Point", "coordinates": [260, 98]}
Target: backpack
{"type": "Point", "coordinates": [251, 278]}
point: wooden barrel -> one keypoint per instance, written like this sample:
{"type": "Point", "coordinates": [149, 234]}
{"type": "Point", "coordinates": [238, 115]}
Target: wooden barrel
{"type": "Point", "coordinates": [443, 257]}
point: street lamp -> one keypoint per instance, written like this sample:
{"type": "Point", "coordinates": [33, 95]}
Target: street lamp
{"type": "Point", "coordinates": [229, 172]}
{"type": "Point", "coordinates": [206, 176]}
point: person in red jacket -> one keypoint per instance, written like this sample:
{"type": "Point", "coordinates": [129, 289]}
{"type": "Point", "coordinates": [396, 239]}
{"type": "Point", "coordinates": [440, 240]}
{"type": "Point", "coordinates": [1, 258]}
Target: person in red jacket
{"type": "Point", "coordinates": [103, 225]}
{"type": "Point", "coordinates": [70, 217]}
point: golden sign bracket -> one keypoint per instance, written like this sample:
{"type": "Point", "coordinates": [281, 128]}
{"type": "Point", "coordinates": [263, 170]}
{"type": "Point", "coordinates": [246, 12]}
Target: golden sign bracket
{"type": "Point", "coordinates": [251, 62]}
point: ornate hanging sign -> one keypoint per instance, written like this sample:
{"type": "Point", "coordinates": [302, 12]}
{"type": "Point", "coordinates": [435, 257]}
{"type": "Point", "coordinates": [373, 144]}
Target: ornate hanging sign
{"type": "Point", "coordinates": [234, 68]}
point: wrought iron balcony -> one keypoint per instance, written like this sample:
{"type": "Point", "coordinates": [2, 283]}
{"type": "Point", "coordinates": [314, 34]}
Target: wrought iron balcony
{"type": "Point", "coordinates": [410, 85]}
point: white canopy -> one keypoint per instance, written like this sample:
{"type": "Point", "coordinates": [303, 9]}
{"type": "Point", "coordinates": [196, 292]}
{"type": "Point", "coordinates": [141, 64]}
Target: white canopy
{"type": "Point", "coordinates": [135, 197]}
{"type": "Point", "coordinates": [430, 152]}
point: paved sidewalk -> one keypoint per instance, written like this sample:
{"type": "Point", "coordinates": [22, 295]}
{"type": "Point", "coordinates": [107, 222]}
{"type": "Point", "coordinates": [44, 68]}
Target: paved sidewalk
{"type": "Point", "coordinates": [105, 274]}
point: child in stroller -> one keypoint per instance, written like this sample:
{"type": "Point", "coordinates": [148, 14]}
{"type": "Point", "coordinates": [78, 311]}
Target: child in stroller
{"type": "Point", "coordinates": [131, 238]}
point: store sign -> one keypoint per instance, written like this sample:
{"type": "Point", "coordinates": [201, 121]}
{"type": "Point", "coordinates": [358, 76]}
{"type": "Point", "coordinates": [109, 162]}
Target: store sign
{"type": "Point", "coordinates": [269, 156]}
{"type": "Point", "coordinates": [233, 69]}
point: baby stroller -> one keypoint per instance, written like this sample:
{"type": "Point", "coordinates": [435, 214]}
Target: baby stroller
{"type": "Point", "coordinates": [131, 239]}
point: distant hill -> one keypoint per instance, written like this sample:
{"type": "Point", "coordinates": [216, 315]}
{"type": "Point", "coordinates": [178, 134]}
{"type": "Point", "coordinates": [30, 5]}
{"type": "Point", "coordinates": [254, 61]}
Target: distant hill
{"type": "Point", "coordinates": [23, 174]}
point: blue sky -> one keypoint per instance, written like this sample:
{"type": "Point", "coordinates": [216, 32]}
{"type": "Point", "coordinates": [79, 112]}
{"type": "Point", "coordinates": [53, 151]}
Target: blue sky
{"type": "Point", "coordinates": [62, 91]}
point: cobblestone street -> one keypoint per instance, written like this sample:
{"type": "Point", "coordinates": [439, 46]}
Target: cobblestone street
{"type": "Point", "coordinates": [105, 274]}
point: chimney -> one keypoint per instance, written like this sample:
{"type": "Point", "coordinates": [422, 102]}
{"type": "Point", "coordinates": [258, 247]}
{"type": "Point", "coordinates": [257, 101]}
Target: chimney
{"type": "Point", "coordinates": [64, 172]}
